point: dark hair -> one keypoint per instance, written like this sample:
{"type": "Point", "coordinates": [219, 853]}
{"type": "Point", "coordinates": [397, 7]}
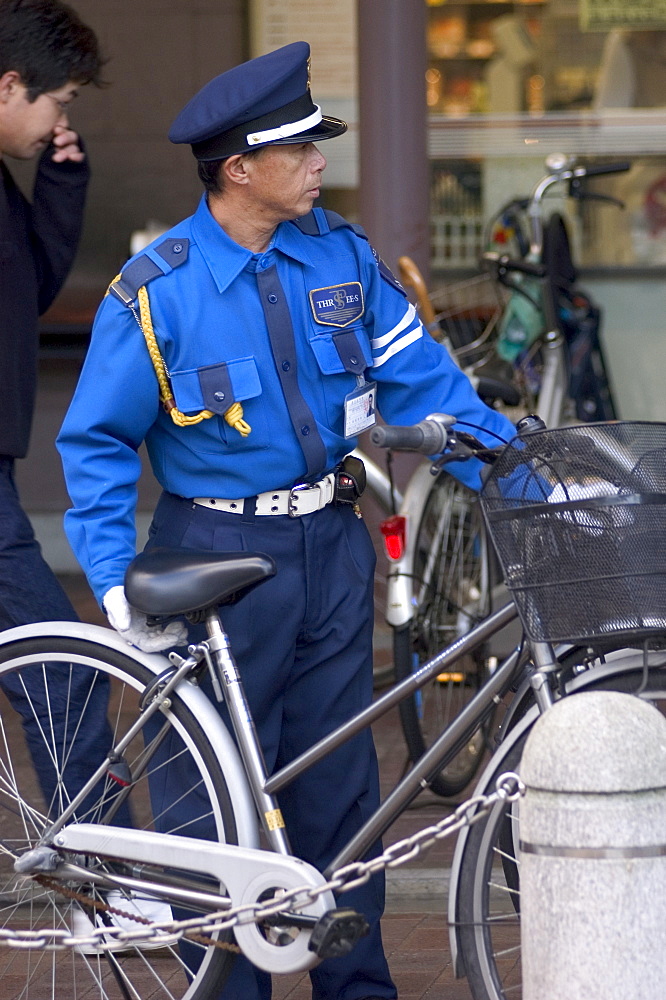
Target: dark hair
{"type": "Point", "coordinates": [210, 171]}
{"type": "Point", "coordinates": [209, 175]}
{"type": "Point", "coordinates": [47, 44]}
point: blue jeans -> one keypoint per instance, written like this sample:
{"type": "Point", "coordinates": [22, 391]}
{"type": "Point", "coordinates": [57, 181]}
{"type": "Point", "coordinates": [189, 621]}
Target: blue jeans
{"type": "Point", "coordinates": [29, 592]}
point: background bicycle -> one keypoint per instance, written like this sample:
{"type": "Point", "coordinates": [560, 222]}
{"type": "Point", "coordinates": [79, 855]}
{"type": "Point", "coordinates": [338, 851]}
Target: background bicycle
{"type": "Point", "coordinates": [528, 336]}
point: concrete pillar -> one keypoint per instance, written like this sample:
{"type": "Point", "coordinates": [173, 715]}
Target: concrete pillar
{"type": "Point", "coordinates": [394, 168]}
{"type": "Point", "coordinates": [593, 862]}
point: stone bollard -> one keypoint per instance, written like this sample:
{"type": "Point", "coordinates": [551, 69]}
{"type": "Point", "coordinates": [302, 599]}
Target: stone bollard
{"type": "Point", "coordinates": [593, 851]}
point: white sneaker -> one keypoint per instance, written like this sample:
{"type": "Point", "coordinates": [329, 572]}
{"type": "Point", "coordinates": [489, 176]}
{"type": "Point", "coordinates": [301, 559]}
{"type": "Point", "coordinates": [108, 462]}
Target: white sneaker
{"type": "Point", "coordinates": [150, 909]}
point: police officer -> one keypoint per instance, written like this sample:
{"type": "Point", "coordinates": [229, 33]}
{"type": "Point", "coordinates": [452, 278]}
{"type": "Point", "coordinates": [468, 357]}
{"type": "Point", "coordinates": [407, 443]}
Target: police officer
{"type": "Point", "coordinates": [248, 348]}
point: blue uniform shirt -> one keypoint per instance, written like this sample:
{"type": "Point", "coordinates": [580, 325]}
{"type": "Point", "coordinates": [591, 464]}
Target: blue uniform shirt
{"type": "Point", "coordinates": [284, 333]}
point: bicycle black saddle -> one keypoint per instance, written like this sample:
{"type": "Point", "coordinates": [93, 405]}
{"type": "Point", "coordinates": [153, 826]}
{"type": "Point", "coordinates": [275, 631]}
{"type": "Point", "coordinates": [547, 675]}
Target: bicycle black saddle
{"type": "Point", "coordinates": [491, 389]}
{"type": "Point", "coordinates": [164, 582]}
{"type": "Point", "coordinates": [495, 382]}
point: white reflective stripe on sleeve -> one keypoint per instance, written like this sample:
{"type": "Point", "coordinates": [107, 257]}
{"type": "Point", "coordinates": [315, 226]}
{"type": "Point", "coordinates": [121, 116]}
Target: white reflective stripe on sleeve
{"type": "Point", "coordinates": [399, 345]}
{"type": "Point", "coordinates": [386, 338]}
{"type": "Point", "coordinates": [284, 131]}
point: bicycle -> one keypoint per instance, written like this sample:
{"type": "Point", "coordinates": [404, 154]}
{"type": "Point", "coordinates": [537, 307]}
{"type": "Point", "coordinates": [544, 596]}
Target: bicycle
{"type": "Point", "coordinates": [593, 541]}
{"type": "Point", "coordinates": [442, 572]}
{"type": "Point", "coordinates": [69, 849]}
{"type": "Point", "coordinates": [546, 308]}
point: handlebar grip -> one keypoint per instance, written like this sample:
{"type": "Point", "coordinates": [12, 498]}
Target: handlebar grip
{"type": "Point", "coordinates": [426, 437]}
{"type": "Point", "coordinates": [620, 167]}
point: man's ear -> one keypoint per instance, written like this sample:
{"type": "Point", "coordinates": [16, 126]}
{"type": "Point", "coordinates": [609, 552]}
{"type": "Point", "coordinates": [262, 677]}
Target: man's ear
{"type": "Point", "coordinates": [234, 169]}
{"type": "Point", "coordinates": [9, 82]}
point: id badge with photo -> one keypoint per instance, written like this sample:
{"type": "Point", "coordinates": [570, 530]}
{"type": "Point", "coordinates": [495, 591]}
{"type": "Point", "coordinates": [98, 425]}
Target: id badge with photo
{"type": "Point", "coordinates": [360, 409]}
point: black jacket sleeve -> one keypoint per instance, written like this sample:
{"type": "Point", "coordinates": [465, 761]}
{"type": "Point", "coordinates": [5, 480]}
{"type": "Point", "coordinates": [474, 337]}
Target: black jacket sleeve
{"type": "Point", "coordinates": [57, 218]}
{"type": "Point", "coordinates": [38, 243]}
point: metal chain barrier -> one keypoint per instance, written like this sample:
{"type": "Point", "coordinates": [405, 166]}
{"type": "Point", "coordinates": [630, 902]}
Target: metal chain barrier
{"type": "Point", "coordinates": [508, 788]}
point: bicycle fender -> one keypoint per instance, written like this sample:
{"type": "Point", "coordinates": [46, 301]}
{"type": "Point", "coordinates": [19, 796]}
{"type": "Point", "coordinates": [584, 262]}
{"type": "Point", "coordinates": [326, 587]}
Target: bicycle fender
{"type": "Point", "coordinates": [378, 484]}
{"type": "Point", "coordinates": [399, 579]}
{"type": "Point", "coordinates": [193, 697]}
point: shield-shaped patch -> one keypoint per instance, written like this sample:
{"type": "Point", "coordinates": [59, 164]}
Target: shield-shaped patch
{"type": "Point", "coordinates": [337, 305]}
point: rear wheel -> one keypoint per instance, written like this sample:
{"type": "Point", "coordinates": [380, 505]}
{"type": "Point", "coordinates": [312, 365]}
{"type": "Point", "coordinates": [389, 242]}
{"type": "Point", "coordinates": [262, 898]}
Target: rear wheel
{"type": "Point", "coordinates": [451, 593]}
{"type": "Point", "coordinates": [70, 698]}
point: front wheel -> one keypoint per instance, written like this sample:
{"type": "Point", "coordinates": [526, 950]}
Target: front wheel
{"type": "Point", "coordinates": [451, 593]}
{"type": "Point", "coordinates": [488, 890]}
{"type": "Point", "coordinates": [67, 701]}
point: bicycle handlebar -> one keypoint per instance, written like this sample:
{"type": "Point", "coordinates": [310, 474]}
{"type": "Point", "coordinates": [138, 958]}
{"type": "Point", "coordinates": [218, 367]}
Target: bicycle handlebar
{"type": "Point", "coordinates": [428, 437]}
{"type": "Point", "coordinates": [595, 169]}
{"type": "Point", "coordinates": [434, 436]}
{"type": "Point", "coordinates": [562, 168]}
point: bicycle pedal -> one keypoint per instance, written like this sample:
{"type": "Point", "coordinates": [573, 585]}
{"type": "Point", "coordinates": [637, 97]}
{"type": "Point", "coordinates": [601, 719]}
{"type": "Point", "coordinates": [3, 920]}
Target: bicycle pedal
{"type": "Point", "coordinates": [337, 932]}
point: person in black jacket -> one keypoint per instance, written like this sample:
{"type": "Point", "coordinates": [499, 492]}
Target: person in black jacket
{"type": "Point", "coordinates": [46, 55]}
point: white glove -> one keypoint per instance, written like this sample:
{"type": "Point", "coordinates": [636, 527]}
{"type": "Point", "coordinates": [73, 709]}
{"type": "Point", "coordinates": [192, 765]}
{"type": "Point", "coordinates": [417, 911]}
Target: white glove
{"type": "Point", "coordinates": [133, 626]}
{"type": "Point", "coordinates": [594, 521]}
{"type": "Point", "coordinates": [582, 491]}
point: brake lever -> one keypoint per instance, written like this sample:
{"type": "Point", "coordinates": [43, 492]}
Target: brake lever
{"type": "Point", "coordinates": [463, 451]}
{"type": "Point", "coordinates": [577, 191]}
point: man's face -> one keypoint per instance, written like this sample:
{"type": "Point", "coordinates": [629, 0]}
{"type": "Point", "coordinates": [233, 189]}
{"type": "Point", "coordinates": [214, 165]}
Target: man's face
{"type": "Point", "coordinates": [285, 180]}
{"type": "Point", "coordinates": [27, 128]}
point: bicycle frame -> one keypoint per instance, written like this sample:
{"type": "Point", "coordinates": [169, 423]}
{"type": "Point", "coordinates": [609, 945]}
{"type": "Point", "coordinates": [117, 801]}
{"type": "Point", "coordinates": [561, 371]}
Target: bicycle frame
{"type": "Point", "coordinates": [249, 785]}
{"type": "Point", "coordinates": [245, 871]}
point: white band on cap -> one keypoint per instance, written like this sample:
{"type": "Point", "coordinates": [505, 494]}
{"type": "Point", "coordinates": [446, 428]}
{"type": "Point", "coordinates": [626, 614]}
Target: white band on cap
{"type": "Point", "coordinates": [284, 131]}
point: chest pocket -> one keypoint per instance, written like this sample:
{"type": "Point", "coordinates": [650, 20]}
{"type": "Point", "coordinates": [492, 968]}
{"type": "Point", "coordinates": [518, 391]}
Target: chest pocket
{"type": "Point", "coordinates": [215, 388]}
{"type": "Point", "coordinates": [347, 351]}
{"type": "Point", "coordinates": [340, 357]}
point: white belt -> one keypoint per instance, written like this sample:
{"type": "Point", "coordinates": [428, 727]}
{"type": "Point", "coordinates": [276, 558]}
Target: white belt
{"type": "Point", "coordinates": [299, 500]}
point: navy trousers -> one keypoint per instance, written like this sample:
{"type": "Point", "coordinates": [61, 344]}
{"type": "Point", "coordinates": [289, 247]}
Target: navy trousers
{"type": "Point", "coordinates": [303, 643]}
{"type": "Point", "coordinates": [29, 592]}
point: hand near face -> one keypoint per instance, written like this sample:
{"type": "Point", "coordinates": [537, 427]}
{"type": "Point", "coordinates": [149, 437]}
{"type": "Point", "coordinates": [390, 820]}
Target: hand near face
{"type": "Point", "coordinates": [66, 143]}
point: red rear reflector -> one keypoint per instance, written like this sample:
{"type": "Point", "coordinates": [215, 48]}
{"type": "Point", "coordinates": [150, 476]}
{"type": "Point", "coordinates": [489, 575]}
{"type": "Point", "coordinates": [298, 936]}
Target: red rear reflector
{"type": "Point", "coordinates": [393, 530]}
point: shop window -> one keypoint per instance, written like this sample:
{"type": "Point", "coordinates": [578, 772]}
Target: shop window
{"type": "Point", "coordinates": [508, 83]}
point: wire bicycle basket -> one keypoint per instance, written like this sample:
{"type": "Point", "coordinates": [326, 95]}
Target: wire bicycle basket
{"type": "Point", "coordinates": [578, 518]}
{"type": "Point", "coordinates": [466, 313]}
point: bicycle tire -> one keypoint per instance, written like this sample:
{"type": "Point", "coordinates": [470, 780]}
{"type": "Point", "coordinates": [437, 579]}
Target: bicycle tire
{"type": "Point", "coordinates": [451, 593]}
{"type": "Point", "coordinates": [58, 676]}
{"type": "Point", "coordinates": [488, 892]}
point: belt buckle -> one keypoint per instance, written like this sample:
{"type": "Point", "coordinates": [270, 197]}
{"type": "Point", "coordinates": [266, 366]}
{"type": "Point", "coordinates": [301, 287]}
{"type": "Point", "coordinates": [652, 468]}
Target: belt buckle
{"type": "Point", "coordinates": [295, 492]}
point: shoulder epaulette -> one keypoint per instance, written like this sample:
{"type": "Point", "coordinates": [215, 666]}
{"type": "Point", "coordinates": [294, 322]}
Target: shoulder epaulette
{"type": "Point", "coordinates": [386, 273]}
{"type": "Point", "coordinates": [321, 221]}
{"type": "Point", "coordinates": [143, 269]}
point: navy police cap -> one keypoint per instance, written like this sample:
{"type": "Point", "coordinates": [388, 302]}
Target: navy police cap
{"type": "Point", "coordinates": [261, 102]}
